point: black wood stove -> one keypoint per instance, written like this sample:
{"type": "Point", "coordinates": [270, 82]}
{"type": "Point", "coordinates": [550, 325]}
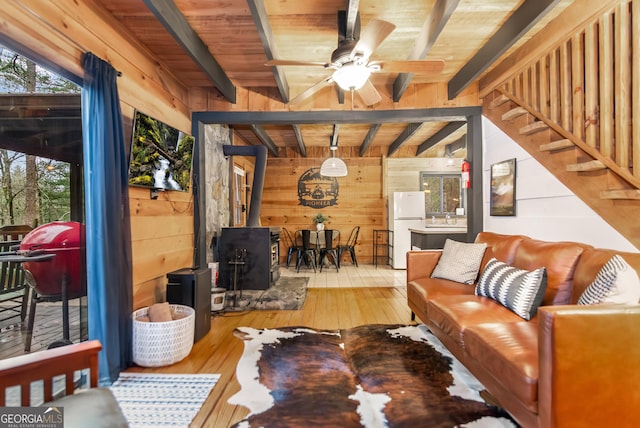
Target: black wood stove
{"type": "Point", "coordinates": [249, 257]}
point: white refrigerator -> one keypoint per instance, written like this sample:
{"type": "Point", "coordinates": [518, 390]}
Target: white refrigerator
{"type": "Point", "coordinates": [406, 211]}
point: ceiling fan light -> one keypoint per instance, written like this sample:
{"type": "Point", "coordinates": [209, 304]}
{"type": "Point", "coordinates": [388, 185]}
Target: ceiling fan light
{"type": "Point", "coordinates": [333, 167]}
{"type": "Point", "coordinates": [351, 77]}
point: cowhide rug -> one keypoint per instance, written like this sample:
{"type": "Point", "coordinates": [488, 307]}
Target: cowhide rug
{"type": "Point", "coordinates": [372, 376]}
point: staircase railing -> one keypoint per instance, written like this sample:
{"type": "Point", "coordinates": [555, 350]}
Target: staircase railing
{"type": "Point", "coordinates": [587, 88]}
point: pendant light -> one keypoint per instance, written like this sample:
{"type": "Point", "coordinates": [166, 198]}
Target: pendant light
{"type": "Point", "coordinates": [333, 166]}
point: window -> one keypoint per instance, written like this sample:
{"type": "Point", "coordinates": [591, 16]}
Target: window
{"type": "Point", "coordinates": [443, 192]}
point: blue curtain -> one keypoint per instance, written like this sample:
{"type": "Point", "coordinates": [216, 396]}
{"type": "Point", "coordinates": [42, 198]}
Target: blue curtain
{"type": "Point", "coordinates": [108, 233]}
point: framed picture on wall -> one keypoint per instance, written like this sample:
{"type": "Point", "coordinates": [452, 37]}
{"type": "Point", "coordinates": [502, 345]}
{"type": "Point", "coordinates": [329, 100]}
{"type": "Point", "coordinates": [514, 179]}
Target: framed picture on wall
{"type": "Point", "coordinates": [503, 188]}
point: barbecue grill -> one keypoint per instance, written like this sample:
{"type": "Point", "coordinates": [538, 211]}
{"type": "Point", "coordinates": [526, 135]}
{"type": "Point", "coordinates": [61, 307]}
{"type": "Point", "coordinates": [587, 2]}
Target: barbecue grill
{"type": "Point", "coordinates": [64, 240]}
{"type": "Point", "coordinates": [52, 257]}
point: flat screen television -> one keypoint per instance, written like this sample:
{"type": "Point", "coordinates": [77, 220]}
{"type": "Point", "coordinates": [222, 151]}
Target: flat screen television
{"type": "Point", "coordinates": [160, 155]}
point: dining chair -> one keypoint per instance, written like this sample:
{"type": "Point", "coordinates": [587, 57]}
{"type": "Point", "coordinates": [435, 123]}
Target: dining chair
{"type": "Point", "coordinates": [329, 249]}
{"type": "Point", "coordinates": [350, 246]}
{"type": "Point", "coordinates": [291, 244]}
{"type": "Point", "coordinates": [308, 253]}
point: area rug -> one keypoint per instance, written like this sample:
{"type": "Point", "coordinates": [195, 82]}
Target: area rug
{"type": "Point", "coordinates": [372, 376]}
{"type": "Point", "coordinates": [162, 400]}
{"type": "Point", "coordinates": [288, 293]}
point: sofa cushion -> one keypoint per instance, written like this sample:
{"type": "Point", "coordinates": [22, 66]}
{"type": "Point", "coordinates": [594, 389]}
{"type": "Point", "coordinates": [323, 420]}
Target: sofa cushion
{"type": "Point", "coordinates": [509, 352]}
{"type": "Point", "coordinates": [453, 314]}
{"type": "Point", "coordinates": [559, 259]}
{"type": "Point", "coordinates": [420, 291]}
{"type": "Point", "coordinates": [503, 247]}
{"type": "Point", "coordinates": [460, 261]}
{"type": "Point", "coordinates": [517, 289]}
{"type": "Point", "coordinates": [616, 282]}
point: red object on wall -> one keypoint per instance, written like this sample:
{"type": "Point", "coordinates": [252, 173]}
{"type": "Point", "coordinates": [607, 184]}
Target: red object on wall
{"type": "Point", "coordinates": [66, 240]}
{"type": "Point", "coordinates": [466, 174]}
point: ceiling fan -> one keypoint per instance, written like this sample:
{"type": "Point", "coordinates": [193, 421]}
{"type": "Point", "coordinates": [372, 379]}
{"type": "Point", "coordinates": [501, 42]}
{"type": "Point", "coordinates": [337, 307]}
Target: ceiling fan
{"type": "Point", "coordinates": [352, 65]}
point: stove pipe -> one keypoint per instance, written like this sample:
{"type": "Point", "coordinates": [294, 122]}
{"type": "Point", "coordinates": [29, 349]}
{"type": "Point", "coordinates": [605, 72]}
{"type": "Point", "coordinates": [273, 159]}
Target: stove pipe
{"type": "Point", "coordinates": [260, 153]}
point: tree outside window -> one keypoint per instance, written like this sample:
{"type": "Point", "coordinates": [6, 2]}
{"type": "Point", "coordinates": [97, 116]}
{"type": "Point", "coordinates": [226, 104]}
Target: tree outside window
{"type": "Point", "coordinates": [443, 192]}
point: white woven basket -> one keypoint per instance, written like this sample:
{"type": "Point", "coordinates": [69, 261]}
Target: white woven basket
{"type": "Point", "coordinates": [158, 344]}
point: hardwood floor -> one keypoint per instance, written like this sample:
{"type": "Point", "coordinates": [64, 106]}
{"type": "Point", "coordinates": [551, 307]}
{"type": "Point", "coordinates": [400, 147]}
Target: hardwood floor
{"type": "Point", "coordinates": [335, 300]}
{"type": "Point", "coordinates": [324, 308]}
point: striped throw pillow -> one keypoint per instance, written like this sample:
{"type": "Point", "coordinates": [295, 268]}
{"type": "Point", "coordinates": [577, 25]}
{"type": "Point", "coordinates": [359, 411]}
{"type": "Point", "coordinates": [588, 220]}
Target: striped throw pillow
{"type": "Point", "coordinates": [516, 289]}
{"type": "Point", "coordinates": [617, 282]}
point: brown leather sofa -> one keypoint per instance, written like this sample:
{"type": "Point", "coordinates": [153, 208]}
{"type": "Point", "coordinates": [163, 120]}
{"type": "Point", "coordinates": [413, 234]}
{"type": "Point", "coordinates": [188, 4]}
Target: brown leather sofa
{"type": "Point", "coordinates": [571, 365]}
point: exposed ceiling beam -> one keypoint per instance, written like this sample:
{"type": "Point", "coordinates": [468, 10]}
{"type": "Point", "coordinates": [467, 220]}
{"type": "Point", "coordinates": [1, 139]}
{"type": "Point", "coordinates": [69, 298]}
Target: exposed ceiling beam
{"type": "Point", "coordinates": [340, 92]}
{"type": "Point", "coordinates": [459, 144]}
{"type": "Point", "coordinates": [265, 139]}
{"type": "Point", "coordinates": [525, 17]}
{"type": "Point", "coordinates": [441, 114]}
{"type": "Point", "coordinates": [352, 20]}
{"type": "Point", "coordinates": [447, 130]}
{"type": "Point", "coordinates": [431, 29]}
{"type": "Point", "coordinates": [565, 25]}
{"type": "Point", "coordinates": [369, 138]}
{"type": "Point", "coordinates": [261, 19]}
{"type": "Point", "coordinates": [177, 25]}
{"type": "Point", "coordinates": [300, 140]}
{"type": "Point", "coordinates": [334, 136]}
{"type": "Point", "coordinates": [404, 137]}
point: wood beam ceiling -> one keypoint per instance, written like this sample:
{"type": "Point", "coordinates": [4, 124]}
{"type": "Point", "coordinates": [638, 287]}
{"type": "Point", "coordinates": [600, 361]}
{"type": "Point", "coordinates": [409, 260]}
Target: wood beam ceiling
{"type": "Point", "coordinates": [264, 138]}
{"type": "Point", "coordinates": [177, 25]}
{"type": "Point", "coordinates": [525, 17]}
{"type": "Point", "coordinates": [261, 20]}
{"type": "Point", "coordinates": [449, 129]}
{"type": "Point", "coordinates": [300, 140]}
{"type": "Point", "coordinates": [431, 29]}
{"type": "Point", "coordinates": [404, 137]}
{"type": "Point", "coordinates": [369, 138]}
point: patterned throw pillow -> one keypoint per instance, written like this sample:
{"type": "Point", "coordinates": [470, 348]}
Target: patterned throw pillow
{"type": "Point", "coordinates": [459, 261]}
{"type": "Point", "coordinates": [517, 289]}
{"type": "Point", "coordinates": [617, 282]}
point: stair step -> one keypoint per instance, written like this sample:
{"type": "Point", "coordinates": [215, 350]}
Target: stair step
{"type": "Point", "coordinates": [620, 194]}
{"type": "Point", "coordinates": [594, 165]}
{"type": "Point", "coordinates": [497, 102]}
{"type": "Point", "coordinates": [556, 145]}
{"type": "Point", "coordinates": [533, 127]}
{"type": "Point", "coordinates": [514, 112]}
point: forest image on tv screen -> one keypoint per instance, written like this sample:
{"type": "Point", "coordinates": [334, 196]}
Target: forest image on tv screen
{"type": "Point", "coordinates": [160, 155]}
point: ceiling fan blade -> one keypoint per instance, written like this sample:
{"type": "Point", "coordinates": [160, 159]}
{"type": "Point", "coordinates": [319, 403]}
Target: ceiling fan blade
{"type": "Point", "coordinates": [294, 62]}
{"type": "Point", "coordinates": [371, 37]}
{"type": "Point", "coordinates": [369, 94]}
{"type": "Point", "coordinates": [311, 90]}
{"type": "Point", "coordinates": [410, 66]}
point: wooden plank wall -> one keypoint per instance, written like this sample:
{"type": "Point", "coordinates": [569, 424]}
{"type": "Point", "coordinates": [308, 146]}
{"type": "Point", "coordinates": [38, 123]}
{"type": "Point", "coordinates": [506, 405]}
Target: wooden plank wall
{"type": "Point", "coordinates": [359, 202]}
{"type": "Point", "coordinates": [60, 32]}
